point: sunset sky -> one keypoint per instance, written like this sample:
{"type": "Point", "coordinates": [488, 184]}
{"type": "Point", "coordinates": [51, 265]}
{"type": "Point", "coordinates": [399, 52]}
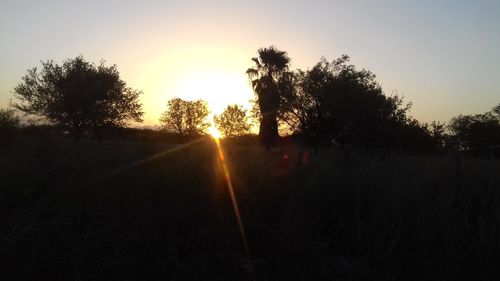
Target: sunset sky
{"type": "Point", "coordinates": [444, 56]}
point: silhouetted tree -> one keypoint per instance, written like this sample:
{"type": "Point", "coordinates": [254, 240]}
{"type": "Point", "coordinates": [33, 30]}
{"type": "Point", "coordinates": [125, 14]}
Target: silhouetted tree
{"type": "Point", "coordinates": [270, 67]}
{"type": "Point", "coordinates": [335, 101]}
{"type": "Point", "coordinates": [187, 118]}
{"type": "Point", "coordinates": [437, 131]}
{"type": "Point", "coordinates": [233, 122]}
{"type": "Point", "coordinates": [414, 135]}
{"type": "Point", "coordinates": [78, 95]}
{"type": "Point", "coordinates": [480, 132]}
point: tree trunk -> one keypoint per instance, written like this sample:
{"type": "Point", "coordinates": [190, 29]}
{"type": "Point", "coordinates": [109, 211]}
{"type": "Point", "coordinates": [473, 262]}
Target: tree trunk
{"type": "Point", "coordinates": [268, 132]}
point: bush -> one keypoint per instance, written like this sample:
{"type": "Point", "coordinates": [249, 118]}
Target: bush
{"type": "Point", "coordinates": [9, 125]}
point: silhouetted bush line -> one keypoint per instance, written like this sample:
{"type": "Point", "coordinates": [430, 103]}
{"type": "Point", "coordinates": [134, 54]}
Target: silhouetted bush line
{"type": "Point", "coordinates": [333, 103]}
{"type": "Point", "coordinates": [49, 132]}
{"type": "Point", "coordinates": [9, 126]}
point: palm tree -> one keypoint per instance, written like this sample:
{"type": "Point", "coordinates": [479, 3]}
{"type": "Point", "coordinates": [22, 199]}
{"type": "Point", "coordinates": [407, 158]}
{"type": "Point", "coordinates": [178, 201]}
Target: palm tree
{"type": "Point", "coordinates": [270, 66]}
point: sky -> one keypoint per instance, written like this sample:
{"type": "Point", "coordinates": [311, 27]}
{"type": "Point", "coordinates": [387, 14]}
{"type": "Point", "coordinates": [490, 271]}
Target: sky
{"type": "Point", "coordinates": [443, 56]}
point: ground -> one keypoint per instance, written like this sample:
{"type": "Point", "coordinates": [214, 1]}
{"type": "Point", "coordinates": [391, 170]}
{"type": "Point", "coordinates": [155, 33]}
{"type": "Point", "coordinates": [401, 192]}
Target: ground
{"type": "Point", "coordinates": [87, 210]}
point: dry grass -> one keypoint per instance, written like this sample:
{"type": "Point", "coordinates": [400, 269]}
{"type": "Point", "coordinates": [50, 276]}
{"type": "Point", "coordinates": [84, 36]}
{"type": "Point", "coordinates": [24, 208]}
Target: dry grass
{"type": "Point", "coordinates": [67, 213]}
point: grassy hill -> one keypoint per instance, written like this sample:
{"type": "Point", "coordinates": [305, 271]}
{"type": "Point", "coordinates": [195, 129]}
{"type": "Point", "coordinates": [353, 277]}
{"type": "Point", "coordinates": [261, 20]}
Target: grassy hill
{"type": "Point", "coordinates": [83, 210]}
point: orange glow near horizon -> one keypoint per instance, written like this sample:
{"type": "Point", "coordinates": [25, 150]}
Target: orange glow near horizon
{"type": "Point", "coordinates": [214, 74]}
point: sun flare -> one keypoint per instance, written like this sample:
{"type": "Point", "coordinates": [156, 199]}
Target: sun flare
{"type": "Point", "coordinates": [215, 74]}
{"type": "Point", "coordinates": [214, 132]}
{"type": "Point", "coordinates": [218, 88]}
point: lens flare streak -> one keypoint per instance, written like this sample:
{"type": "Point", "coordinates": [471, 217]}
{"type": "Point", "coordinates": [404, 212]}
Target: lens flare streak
{"type": "Point", "coordinates": [227, 177]}
{"type": "Point", "coordinates": [149, 159]}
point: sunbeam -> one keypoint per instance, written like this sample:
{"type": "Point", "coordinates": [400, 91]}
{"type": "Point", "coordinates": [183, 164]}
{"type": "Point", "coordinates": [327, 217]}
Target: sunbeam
{"type": "Point", "coordinates": [151, 158]}
{"type": "Point", "coordinates": [227, 177]}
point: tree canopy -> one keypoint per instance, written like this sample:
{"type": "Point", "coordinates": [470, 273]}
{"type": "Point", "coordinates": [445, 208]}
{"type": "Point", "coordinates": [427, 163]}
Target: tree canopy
{"type": "Point", "coordinates": [480, 132]}
{"type": "Point", "coordinates": [233, 122]}
{"type": "Point", "coordinates": [78, 95]}
{"type": "Point", "coordinates": [336, 101]}
{"type": "Point", "coordinates": [187, 118]}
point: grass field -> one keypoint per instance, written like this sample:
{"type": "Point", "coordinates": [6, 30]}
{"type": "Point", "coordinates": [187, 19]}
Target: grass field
{"type": "Point", "coordinates": [95, 211]}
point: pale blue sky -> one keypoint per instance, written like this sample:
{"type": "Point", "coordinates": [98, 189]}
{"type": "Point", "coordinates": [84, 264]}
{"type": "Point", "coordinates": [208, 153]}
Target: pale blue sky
{"type": "Point", "coordinates": [444, 56]}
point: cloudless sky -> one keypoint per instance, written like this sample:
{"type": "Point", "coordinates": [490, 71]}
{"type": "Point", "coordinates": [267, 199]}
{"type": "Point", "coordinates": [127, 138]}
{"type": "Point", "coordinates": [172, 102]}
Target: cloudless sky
{"type": "Point", "coordinates": [444, 56]}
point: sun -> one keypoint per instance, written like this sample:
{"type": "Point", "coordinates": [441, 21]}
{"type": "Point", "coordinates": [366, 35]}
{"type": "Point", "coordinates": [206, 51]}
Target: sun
{"type": "Point", "coordinates": [214, 132]}
{"type": "Point", "coordinates": [218, 87]}
{"type": "Point", "coordinates": [216, 74]}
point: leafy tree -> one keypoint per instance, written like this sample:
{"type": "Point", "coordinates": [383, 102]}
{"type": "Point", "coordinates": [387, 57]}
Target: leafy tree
{"type": "Point", "coordinates": [437, 131]}
{"type": "Point", "coordinates": [271, 66]}
{"type": "Point", "coordinates": [335, 101]}
{"type": "Point", "coordinates": [78, 95]}
{"type": "Point", "coordinates": [187, 118]}
{"type": "Point", "coordinates": [416, 136]}
{"type": "Point", "coordinates": [233, 121]}
{"type": "Point", "coordinates": [480, 132]}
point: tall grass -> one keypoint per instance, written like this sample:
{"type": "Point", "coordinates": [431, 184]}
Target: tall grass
{"type": "Point", "coordinates": [68, 211]}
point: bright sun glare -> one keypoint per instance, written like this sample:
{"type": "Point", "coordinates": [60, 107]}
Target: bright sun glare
{"type": "Point", "coordinates": [214, 74]}
{"type": "Point", "coordinates": [214, 132]}
{"type": "Point", "coordinates": [218, 88]}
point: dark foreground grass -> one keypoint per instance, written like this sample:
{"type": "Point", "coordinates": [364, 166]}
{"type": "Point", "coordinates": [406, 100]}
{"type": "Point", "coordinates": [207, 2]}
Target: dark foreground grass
{"type": "Point", "coordinates": [68, 211]}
